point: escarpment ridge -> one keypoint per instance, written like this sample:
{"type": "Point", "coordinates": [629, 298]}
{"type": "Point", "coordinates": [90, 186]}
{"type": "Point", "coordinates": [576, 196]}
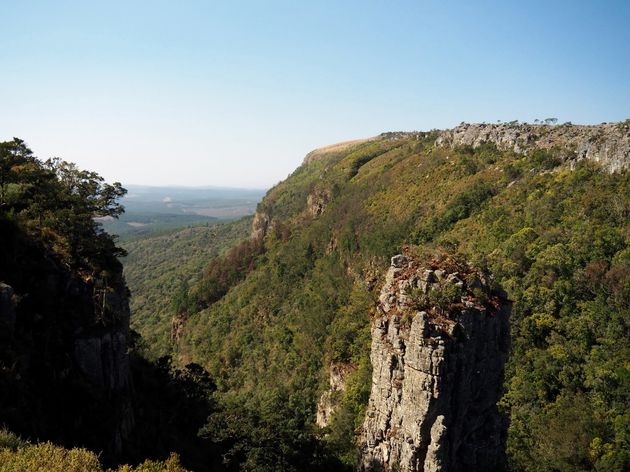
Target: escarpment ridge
{"type": "Point", "coordinates": [606, 143]}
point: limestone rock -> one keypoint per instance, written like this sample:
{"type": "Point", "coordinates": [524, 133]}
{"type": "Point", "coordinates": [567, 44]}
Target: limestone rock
{"type": "Point", "coordinates": [608, 144]}
{"type": "Point", "coordinates": [260, 225]}
{"type": "Point", "coordinates": [337, 380]}
{"type": "Point", "coordinates": [317, 201]}
{"type": "Point", "coordinates": [400, 261]}
{"type": "Point", "coordinates": [436, 380]}
{"type": "Point", "coordinates": [104, 360]}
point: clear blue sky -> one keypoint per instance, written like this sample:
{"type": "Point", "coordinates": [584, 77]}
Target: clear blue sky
{"type": "Point", "coordinates": [236, 92]}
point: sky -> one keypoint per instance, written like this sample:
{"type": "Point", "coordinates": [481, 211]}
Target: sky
{"type": "Point", "coordinates": [235, 93]}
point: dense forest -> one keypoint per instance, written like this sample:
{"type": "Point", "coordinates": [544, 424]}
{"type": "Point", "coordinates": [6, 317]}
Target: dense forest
{"type": "Point", "coordinates": [161, 266]}
{"type": "Point", "coordinates": [260, 321]}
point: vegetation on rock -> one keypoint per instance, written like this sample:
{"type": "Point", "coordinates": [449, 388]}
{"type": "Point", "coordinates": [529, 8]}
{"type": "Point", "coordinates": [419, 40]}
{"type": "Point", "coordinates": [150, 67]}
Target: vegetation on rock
{"type": "Point", "coordinates": [65, 370]}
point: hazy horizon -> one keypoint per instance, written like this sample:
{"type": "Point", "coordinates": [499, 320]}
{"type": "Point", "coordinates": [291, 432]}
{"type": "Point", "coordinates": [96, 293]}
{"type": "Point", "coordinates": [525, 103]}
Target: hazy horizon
{"type": "Point", "coordinates": [192, 187]}
{"type": "Point", "coordinates": [217, 94]}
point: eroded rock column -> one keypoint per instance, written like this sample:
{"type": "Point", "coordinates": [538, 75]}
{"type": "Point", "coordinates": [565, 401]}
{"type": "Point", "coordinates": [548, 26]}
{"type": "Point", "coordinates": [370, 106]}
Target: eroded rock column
{"type": "Point", "coordinates": [439, 344]}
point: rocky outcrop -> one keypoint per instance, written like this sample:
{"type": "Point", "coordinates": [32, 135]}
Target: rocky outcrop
{"type": "Point", "coordinates": [104, 360]}
{"type": "Point", "coordinates": [439, 343]}
{"type": "Point", "coordinates": [178, 324]}
{"type": "Point", "coordinates": [338, 374]}
{"type": "Point", "coordinates": [7, 310]}
{"type": "Point", "coordinates": [317, 201]}
{"type": "Point", "coordinates": [261, 224]}
{"type": "Point", "coordinates": [607, 144]}
{"type": "Point", "coordinates": [65, 373]}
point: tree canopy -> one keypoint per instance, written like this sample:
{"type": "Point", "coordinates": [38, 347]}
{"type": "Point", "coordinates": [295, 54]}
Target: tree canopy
{"type": "Point", "coordinates": [58, 202]}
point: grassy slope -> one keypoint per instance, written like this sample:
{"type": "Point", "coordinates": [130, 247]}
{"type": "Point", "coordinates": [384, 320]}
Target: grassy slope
{"type": "Point", "coordinates": [557, 240]}
{"type": "Point", "coordinates": [157, 265]}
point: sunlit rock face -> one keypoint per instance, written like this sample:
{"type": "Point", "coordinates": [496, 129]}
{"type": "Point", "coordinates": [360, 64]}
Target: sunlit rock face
{"type": "Point", "coordinates": [260, 225]}
{"type": "Point", "coordinates": [337, 378]}
{"type": "Point", "coordinates": [608, 144]}
{"type": "Point", "coordinates": [439, 344]}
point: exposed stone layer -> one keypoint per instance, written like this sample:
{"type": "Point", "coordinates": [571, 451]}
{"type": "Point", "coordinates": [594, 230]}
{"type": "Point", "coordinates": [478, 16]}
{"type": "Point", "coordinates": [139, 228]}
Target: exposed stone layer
{"type": "Point", "coordinates": [260, 225]}
{"type": "Point", "coordinates": [338, 375]}
{"type": "Point", "coordinates": [317, 201]}
{"type": "Point", "coordinates": [607, 144]}
{"type": "Point", "coordinates": [65, 335]}
{"type": "Point", "coordinates": [7, 310]}
{"type": "Point", "coordinates": [437, 373]}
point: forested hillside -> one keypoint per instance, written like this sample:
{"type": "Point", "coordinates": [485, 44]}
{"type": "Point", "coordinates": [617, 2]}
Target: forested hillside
{"type": "Point", "coordinates": [548, 221]}
{"type": "Point", "coordinates": [158, 267]}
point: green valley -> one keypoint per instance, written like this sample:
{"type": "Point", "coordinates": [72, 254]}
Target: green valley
{"type": "Point", "coordinates": [157, 267]}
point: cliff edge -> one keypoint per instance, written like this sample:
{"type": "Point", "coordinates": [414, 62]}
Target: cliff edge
{"type": "Point", "coordinates": [65, 337]}
{"type": "Point", "coordinates": [608, 143]}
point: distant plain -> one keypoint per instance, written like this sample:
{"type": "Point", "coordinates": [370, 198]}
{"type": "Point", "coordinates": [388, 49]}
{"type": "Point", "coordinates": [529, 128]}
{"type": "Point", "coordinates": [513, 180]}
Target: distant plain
{"type": "Point", "coordinates": [153, 209]}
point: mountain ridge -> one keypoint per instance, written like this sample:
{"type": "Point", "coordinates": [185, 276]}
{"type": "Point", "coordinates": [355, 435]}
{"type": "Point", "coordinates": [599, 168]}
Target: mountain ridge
{"type": "Point", "coordinates": [608, 143]}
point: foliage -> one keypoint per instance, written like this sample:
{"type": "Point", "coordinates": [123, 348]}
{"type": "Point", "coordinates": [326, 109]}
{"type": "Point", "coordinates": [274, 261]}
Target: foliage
{"type": "Point", "coordinates": [58, 203]}
{"type": "Point", "coordinates": [67, 285]}
{"type": "Point", "coordinates": [19, 455]}
{"type": "Point", "coordinates": [171, 405]}
{"type": "Point", "coordinates": [224, 272]}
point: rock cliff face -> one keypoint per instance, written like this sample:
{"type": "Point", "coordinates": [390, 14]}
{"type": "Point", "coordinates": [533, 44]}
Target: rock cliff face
{"type": "Point", "coordinates": [101, 355]}
{"type": "Point", "coordinates": [317, 201]}
{"type": "Point", "coordinates": [64, 361]}
{"type": "Point", "coordinates": [7, 311]}
{"type": "Point", "coordinates": [260, 225]}
{"type": "Point", "coordinates": [439, 343]}
{"type": "Point", "coordinates": [338, 375]}
{"type": "Point", "coordinates": [608, 144]}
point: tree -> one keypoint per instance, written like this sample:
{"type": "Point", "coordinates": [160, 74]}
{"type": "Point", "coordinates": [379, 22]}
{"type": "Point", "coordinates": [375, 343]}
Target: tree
{"type": "Point", "coordinates": [58, 202]}
{"type": "Point", "coordinates": [13, 156]}
{"type": "Point", "coordinates": [87, 190]}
